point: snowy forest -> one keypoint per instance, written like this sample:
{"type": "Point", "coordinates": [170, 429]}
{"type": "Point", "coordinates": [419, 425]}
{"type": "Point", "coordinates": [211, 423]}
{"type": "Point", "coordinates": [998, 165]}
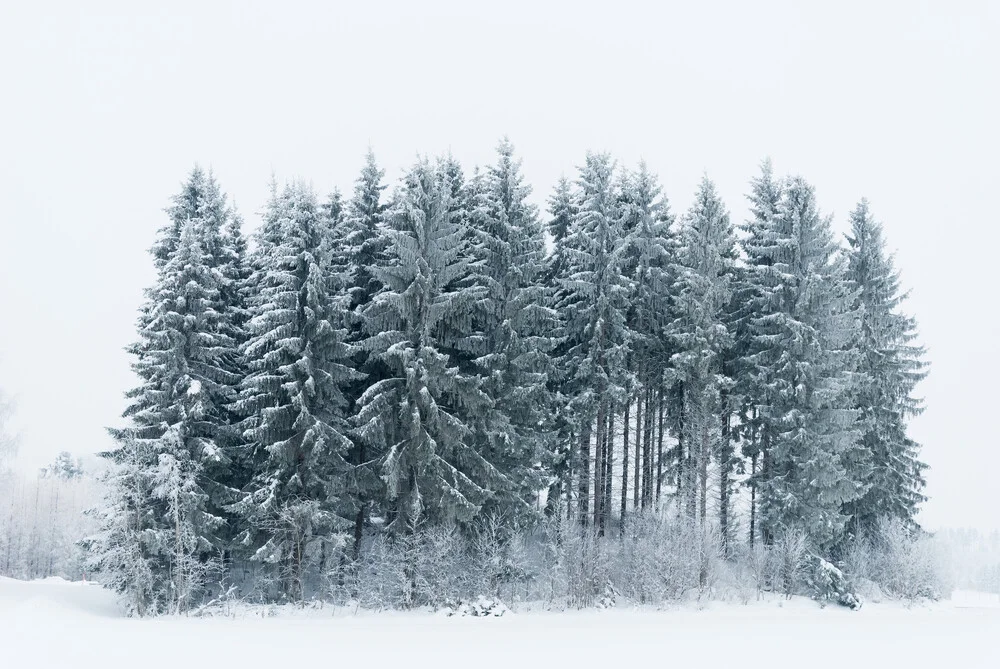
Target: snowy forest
{"type": "Point", "coordinates": [437, 391]}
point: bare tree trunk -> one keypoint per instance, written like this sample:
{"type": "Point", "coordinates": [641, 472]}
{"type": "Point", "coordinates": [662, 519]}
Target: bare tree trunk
{"type": "Point", "coordinates": [703, 470]}
{"type": "Point", "coordinates": [647, 450]}
{"type": "Point", "coordinates": [625, 425]}
{"type": "Point", "coordinates": [765, 465]}
{"type": "Point", "coordinates": [753, 498]}
{"type": "Point", "coordinates": [567, 483]}
{"type": "Point", "coordinates": [681, 448]}
{"type": "Point", "coordinates": [599, 448]}
{"type": "Point", "coordinates": [583, 491]}
{"type": "Point", "coordinates": [638, 450]}
{"type": "Point", "coordinates": [659, 446]}
{"type": "Point", "coordinates": [725, 463]}
{"type": "Point", "coordinates": [359, 519]}
{"type": "Point", "coordinates": [609, 459]}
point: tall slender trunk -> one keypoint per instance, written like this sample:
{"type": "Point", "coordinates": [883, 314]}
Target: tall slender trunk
{"type": "Point", "coordinates": [703, 470]}
{"type": "Point", "coordinates": [681, 445]}
{"type": "Point", "coordinates": [766, 534]}
{"type": "Point", "coordinates": [359, 518]}
{"type": "Point", "coordinates": [725, 463]}
{"type": "Point", "coordinates": [647, 450]}
{"type": "Point", "coordinates": [638, 450]}
{"type": "Point", "coordinates": [753, 498]}
{"type": "Point", "coordinates": [583, 489]}
{"type": "Point", "coordinates": [599, 447]}
{"type": "Point", "coordinates": [609, 459]}
{"type": "Point", "coordinates": [567, 484]}
{"type": "Point", "coordinates": [659, 445]}
{"type": "Point", "coordinates": [625, 426]}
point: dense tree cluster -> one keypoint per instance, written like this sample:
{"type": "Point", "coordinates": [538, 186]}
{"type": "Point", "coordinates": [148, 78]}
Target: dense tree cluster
{"type": "Point", "coordinates": [446, 356]}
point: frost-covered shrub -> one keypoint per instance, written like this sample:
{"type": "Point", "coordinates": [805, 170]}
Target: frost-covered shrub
{"type": "Point", "coordinates": [500, 558]}
{"type": "Point", "coordinates": [828, 584]}
{"type": "Point", "coordinates": [425, 567]}
{"type": "Point", "coordinates": [901, 563]}
{"type": "Point", "coordinates": [789, 559]}
{"type": "Point", "coordinates": [480, 607]}
{"type": "Point", "coordinates": [661, 559]}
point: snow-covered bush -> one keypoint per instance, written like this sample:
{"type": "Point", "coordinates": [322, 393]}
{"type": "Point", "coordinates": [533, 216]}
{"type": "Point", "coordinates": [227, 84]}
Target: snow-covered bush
{"type": "Point", "coordinates": [790, 551]}
{"type": "Point", "coordinates": [828, 584]}
{"type": "Point", "coordinates": [480, 607]}
{"type": "Point", "coordinates": [900, 562]}
{"type": "Point", "coordinates": [429, 566]}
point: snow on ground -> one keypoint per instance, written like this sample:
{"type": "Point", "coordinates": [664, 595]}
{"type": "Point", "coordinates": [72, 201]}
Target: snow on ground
{"type": "Point", "coordinates": [54, 623]}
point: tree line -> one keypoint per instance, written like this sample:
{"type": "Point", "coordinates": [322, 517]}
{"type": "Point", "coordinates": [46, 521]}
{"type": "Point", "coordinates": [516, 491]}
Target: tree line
{"type": "Point", "coordinates": [444, 354]}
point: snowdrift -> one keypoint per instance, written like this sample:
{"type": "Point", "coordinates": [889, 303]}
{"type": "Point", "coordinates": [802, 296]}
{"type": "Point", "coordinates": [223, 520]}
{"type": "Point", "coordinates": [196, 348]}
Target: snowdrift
{"type": "Point", "coordinates": [55, 623]}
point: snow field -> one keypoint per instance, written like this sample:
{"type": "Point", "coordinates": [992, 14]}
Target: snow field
{"type": "Point", "coordinates": [54, 623]}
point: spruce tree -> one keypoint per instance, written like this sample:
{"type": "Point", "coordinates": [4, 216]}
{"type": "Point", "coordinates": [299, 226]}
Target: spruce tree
{"type": "Point", "coordinates": [294, 395]}
{"type": "Point", "coordinates": [749, 297]}
{"type": "Point", "coordinates": [801, 325]}
{"type": "Point", "coordinates": [172, 444]}
{"type": "Point", "coordinates": [514, 327]}
{"type": "Point", "coordinates": [420, 417]}
{"type": "Point", "coordinates": [595, 302]}
{"type": "Point", "coordinates": [365, 244]}
{"type": "Point", "coordinates": [702, 335]}
{"type": "Point", "coordinates": [650, 249]}
{"type": "Point", "coordinates": [890, 365]}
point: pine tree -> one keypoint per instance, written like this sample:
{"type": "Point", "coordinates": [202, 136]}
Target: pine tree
{"type": "Point", "coordinates": [365, 244]}
{"type": "Point", "coordinates": [650, 249]}
{"type": "Point", "coordinates": [886, 460]}
{"type": "Point", "coordinates": [750, 297]}
{"type": "Point", "coordinates": [175, 418]}
{"type": "Point", "coordinates": [294, 395]}
{"type": "Point", "coordinates": [702, 334]}
{"type": "Point", "coordinates": [420, 418]}
{"type": "Point", "coordinates": [562, 209]}
{"type": "Point", "coordinates": [594, 302]}
{"type": "Point", "coordinates": [514, 327]}
{"type": "Point", "coordinates": [801, 322]}
{"type": "Point", "coordinates": [202, 199]}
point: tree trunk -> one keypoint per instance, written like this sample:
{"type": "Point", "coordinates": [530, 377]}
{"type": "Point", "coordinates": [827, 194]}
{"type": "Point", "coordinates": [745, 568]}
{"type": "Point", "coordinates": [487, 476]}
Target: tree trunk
{"type": "Point", "coordinates": [599, 447]}
{"type": "Point", "coordinates": [753, 498]}
{"type": "Point", "coordinates": [638, 451]}
{"type": "Point", "coordinates": [725, 466]}
{"type": "Point", "coordinates": [583, 491]}
{"type": "Point", "coordinates": [359, 519]}
{"type": "Point", "coordinates": [625, 425]}
{"type": "Point", "coordinates": [703, 470]}
{"type": "Point", "coordinates": [659, 446]}
{"type": "Point", "coordinates": [609, 459]}
{"type": "Point", "coordinates": [647, 450]}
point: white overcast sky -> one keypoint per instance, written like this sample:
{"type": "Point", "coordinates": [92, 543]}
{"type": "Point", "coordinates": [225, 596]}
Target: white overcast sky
{"type": "Point", "coordinates": [104, 108]}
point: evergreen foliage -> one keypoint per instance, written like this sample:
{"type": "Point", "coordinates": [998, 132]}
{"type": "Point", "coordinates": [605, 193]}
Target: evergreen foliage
{"type": "Point", "coordinates": [373, 382]}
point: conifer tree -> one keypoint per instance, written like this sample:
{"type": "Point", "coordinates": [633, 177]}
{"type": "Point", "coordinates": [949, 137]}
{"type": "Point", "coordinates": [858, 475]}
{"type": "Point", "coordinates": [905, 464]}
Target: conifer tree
{"type": "Point", "coordinates": [650, 249]}
{"type": "Point", "coordinates": [801, 324]}
{"type": "Point", "coordinates": [173, 440]}
{"type": "Point", "coordinates": [365, 244]}
{"type": "Point", "coordinates": [294, 395]}
{"type": "Point", "coordinates": [886, 461]}
{"type": "Point", "coordinates": [702, 335]}
{"type": "Point", "coordinates": [562, 209]}
{"type": "Point", "coordinates": [750, 297]}
{"type": "Point", "coordinates": [515, 323]}
{"type": "Point", "coordinates": [420, 418]}
{"type": "Point", "coordinates": [595, 302]}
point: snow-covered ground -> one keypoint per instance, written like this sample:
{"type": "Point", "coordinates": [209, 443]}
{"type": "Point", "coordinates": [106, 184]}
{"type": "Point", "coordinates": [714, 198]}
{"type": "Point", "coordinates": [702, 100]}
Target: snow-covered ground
{"type": "Point", "coordinates": [58, 624]}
